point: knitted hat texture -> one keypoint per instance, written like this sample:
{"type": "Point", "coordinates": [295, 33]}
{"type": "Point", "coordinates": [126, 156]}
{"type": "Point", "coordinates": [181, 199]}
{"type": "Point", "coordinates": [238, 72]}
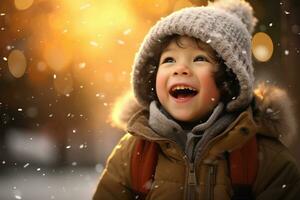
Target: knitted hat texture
{"type": "Point", "coordinates": [226, 25]}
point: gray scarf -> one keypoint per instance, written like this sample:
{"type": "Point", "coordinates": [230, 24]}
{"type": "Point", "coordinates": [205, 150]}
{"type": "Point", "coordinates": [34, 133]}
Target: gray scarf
{"type": "Point", "coordinates": [193, 140]}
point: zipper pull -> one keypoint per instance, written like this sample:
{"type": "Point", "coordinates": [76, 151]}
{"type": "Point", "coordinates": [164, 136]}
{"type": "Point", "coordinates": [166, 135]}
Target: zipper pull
{"type": "Point", "coordinates": [192, 175]}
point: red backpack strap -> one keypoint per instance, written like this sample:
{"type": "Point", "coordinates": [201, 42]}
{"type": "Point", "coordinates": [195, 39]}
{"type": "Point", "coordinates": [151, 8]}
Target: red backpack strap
{"type": "Point", "coordinates": [143, 165]}
{"type": "Point", "coordinates": [243, 170]}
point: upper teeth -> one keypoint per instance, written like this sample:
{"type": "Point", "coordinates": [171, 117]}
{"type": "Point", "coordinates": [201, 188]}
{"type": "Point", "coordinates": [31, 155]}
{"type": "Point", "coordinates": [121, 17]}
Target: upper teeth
{"type": "Point", "coordinates": [183, 87]}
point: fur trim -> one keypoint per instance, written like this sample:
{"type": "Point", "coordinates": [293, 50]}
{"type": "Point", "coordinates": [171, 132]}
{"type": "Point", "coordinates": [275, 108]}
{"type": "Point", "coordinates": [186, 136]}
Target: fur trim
{"type": "Point", "coordinates": [124, 108]}
{"type": "Point", "coordinates": [274, 110]}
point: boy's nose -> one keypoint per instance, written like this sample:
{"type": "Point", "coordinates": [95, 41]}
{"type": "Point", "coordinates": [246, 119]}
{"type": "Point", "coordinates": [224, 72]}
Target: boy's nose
{"type": "Point", "coordinates": [182, 69]}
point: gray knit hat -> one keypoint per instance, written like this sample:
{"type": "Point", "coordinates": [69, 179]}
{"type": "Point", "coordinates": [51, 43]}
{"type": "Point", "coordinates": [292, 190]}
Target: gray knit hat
{"type": "Point", "coordinates": [226, 25]}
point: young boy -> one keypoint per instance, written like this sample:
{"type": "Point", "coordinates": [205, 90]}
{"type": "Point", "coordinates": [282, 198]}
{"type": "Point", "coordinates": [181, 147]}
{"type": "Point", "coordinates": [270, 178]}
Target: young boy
{"type": "Point", "coordinates": [193, 80]}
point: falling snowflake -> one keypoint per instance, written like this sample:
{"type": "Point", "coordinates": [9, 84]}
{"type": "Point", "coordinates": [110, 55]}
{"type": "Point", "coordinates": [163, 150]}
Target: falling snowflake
{"type": "Point", "coordinates": [120, 42]}
{"type": "Point", "coordinates": [18, 197]}
{"type": "Point", "coordinates": [269, 110]}
{"type": "Point", "coordinates": [26, 165]}
{"type": "Point", "coordinates": [8, 47]}
{"type": "Point", "coordinates": [68, 147]}
{"type": "Point", "coordinates": [93, 43]}
{"type": "Point", "coordinates": [286, 52]}
{"type": "Point", "coordinates": [126, 32]}
{"type": "Point", "coordinates": [82, 65]}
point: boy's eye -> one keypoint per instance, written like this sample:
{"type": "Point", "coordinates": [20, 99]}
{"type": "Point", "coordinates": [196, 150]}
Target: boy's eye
{"type": "Point", "coordinates": [200, 59]}
{"type": "Point", "coordinates": [168, 60]}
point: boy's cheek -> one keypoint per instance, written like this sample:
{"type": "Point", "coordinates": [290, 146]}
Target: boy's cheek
{"type": "Point", "coordinates": [210, 90]}
{"type": "Point", "coordinates": [159, 88]}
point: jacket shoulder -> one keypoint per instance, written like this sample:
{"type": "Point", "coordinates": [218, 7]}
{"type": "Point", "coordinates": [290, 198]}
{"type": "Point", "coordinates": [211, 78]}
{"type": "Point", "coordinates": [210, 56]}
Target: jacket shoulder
{"type": "Point", "coordinates": [121, 154]}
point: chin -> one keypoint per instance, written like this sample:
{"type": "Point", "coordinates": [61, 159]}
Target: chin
{"type": "Point", "coordinates": [184, 117]}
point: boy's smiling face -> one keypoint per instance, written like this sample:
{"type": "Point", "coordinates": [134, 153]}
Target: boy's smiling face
{"type": "Point", "coordinates": [185, 85]}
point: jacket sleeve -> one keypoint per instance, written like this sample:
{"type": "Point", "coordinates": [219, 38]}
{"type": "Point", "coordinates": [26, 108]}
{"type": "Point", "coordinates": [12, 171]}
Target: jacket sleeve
{"type": "Point", "coordinates": [278, 177]}
{"type": "Point", "coordinates": [115, 179]}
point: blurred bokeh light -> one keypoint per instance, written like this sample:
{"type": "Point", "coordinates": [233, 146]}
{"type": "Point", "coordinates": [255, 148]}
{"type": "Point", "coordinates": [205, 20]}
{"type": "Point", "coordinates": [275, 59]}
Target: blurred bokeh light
{"type": "Point", "coordinates": [17, 63]}
{"type": "Point", "coordinates": [262, 46]}
{"type": "Point", "coordinates": [23, 4]}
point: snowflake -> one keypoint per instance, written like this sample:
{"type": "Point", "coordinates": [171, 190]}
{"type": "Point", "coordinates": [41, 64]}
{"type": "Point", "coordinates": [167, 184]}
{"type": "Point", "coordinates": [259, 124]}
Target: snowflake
{"type": "Point", "coordinates": [18, 197]}
{"type": "Point", "coordinates": [26, 165]}
{"type": "Point", "coordinates": [93, 43]}
{"type": "Point", "coordinates": [126, 32]}
{"type": "Point", "coordinates": [286, 52]}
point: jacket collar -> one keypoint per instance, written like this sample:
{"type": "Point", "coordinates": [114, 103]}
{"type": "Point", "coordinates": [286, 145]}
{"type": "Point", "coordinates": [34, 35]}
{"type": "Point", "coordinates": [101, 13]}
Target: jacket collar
{"type": "Point", "coordinates": [139, 126]}
{"type": "Point", "coordinates": [166, 126]}
{"type": "Point", "coordinates": [272, 111]}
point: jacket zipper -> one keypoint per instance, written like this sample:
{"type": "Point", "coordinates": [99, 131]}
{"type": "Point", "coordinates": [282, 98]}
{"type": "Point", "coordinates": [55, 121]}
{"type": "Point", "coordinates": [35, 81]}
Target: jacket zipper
{"type": "Point", "coordinates": [211, 181]}
{"type": "Point", "coordinates": [192, 175]}
{"type": "Point", "coordinates": [191, 182]}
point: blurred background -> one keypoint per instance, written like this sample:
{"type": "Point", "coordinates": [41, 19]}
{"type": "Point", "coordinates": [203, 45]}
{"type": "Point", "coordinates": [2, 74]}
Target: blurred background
{"type": "Point", "coordinates": [64, 64]}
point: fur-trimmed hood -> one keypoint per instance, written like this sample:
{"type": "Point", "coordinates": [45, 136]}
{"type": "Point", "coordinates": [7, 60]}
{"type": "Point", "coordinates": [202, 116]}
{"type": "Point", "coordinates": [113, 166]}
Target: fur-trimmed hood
{"type": "Point", "coordinates": [275, 113]}
{"type": "Point", "coordinates": [272, 110]}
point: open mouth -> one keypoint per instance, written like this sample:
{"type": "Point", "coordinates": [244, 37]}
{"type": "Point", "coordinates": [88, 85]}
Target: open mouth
{"type": "Point", "coordinates": [180, 91]}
